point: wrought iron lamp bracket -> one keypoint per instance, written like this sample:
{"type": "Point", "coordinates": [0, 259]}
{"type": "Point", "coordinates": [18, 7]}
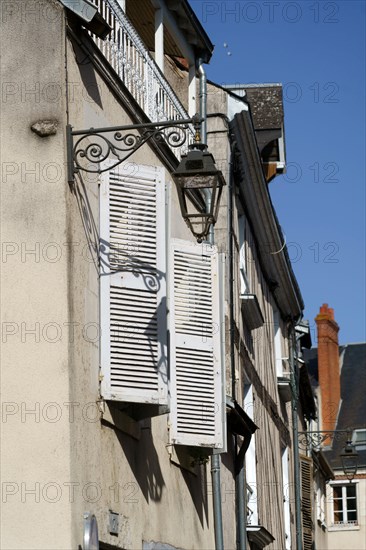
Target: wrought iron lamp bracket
{"type": "Point", "coordinates": [314, 439]}
{"type": "Point", "coordinates": [88, 149]}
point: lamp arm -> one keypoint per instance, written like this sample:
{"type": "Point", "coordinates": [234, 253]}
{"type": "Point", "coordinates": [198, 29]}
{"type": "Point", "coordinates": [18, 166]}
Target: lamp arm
{"type": "Point", "coordinates": [88, 149]}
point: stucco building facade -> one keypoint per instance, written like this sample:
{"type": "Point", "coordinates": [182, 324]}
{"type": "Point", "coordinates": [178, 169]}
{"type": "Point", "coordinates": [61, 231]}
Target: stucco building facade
{"type": "Point", "coordinates": [142, 373]}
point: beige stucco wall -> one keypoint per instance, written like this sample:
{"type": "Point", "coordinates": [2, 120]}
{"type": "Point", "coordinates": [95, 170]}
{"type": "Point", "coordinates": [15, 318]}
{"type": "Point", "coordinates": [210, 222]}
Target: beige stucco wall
{"type": "Point", "coordinates": [76, 456]}
{"type": "Point", "coordinates": [35, 447]}
{"type": "Point", "coordinates": [155, 498]}
{"type": "Point", "coordinates": [75, 462]}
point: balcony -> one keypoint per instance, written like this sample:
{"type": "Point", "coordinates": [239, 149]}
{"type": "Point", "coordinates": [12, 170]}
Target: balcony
{"type": "Point", "coordinates": [129, 57]}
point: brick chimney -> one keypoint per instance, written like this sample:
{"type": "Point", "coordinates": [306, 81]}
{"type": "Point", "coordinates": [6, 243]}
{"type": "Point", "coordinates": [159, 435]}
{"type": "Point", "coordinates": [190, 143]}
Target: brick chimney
{"type": "Point", "coordinates": [328, 368]}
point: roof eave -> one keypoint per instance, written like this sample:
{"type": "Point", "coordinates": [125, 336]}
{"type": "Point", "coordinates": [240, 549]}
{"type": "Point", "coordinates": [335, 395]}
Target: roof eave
{"type": "Point", "coordinates": [204, 47]}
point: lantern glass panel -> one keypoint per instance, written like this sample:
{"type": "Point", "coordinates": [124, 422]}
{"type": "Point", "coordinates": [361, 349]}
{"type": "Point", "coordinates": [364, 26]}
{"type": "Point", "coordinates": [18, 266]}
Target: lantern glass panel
{"type": "Point", "coordinates": [349, 458]}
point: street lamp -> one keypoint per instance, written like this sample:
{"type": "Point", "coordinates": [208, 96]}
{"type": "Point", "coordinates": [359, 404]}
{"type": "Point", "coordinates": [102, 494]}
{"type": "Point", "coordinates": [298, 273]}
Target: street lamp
{"type": "Point", "coordinates": [199, 183]}
{"type": "Point", "coordinates": [348, 455]}
{"type": "Point", "coordinates": [349, 458]}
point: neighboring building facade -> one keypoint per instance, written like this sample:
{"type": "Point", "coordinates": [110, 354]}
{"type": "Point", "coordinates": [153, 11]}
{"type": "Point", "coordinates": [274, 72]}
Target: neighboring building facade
{"type": "Point", "coordinates": [265, 307]}
{"type": "Point", "coordinates": [265, 297]}
{"type": "Point", "coordinates": [338, 376]}
{"type": "Point", "coordinates": [130, 353]}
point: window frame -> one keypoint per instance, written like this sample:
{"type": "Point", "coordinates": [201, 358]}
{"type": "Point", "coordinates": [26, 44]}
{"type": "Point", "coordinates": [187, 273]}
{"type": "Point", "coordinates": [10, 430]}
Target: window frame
{"type": "Point", "coordinates": [251, 459]}
{"type": "Point", "coordinates": [361, 445]}
{"type": "Point", "coordinates": [344, 525]}
{"type": "Point", "coordinates": [243, 260]}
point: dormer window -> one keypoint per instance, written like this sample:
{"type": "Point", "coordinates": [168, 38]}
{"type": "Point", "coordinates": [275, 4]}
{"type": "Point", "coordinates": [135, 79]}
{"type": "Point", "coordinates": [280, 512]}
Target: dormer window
{"type": "Point", "coordinates": [359, 439]}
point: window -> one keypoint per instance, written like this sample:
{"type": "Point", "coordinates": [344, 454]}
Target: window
{"type": "Point", "coordinates": [359, 439]}
{"type": "Point", "coordinates": [286, 496]}
{"type": "Point", "coordinates": [344, 504]}
{"type": "Point", "coordinates": [277, 343]}
{"type": "Point", "coordinates": [320, 504]}
{"type": "Point", "coordinates": [244, 284]}
{"type": "Point", "coordinates": [252, 314]}
{"type": "Point", "coordinates": [250, 461]}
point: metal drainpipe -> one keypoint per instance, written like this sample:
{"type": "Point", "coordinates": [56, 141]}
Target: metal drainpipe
{"type": "Point", "coordinates": [294, 406]}
{"type": "Point", "coordinates": [203, 101]}
{"type": "Point", "coordinates": [241, 500]}
{"type": "Point", "coordinates": [241, 516]}
{"type": "Point", "coordinates": [203, 116]}
{"type": "Point", "coordinates": [215, 458]}
{"type": "Point", "coordinates": [240, 490]}
{"type": "Point", "coordinates": [216, 494]}
{"type": "Point", "coordinates": [231, 272]}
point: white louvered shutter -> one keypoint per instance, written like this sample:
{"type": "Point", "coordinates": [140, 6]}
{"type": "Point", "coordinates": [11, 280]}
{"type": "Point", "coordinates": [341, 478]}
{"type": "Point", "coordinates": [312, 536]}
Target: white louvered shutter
{"type": "Point", "coordinates": [196, 376]}
{"type": "Point", "coordinates": [133, 285]}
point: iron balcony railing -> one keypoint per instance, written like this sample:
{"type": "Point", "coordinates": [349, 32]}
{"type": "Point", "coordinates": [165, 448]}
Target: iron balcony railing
{"type": "Point", "coordinates": [130, 58]}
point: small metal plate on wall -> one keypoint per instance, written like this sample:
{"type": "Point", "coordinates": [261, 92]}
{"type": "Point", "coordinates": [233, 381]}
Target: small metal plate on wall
{"type": "Point", "coordinates": [113, 523]}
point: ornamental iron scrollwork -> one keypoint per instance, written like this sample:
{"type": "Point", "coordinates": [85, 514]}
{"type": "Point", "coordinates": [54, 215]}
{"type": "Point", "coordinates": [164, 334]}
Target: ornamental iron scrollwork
{"type": "Point", "coordinates": [315, 439]}
{"type": "Point", "coordinates": [88, 150]}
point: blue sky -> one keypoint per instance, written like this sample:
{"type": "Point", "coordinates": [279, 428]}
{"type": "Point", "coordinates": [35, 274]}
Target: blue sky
{"type": "Point", "coordinates": [316, 49]}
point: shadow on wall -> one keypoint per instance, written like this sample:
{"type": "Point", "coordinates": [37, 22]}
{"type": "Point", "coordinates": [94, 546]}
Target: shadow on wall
{"type": "Point", "coordinates": [87, 74]}
{"type": "Point", "coordinates": [141, 455]}
{"type": "Point", "coordinates": [144, 462]}
{"type": "Point", "coordinates": [109, 260]}
{"type": "Point", "coordinates": [197, 486]}
{"type": "Point", "coordinates": [88, 220]}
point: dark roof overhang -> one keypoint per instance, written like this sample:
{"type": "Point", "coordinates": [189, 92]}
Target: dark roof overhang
{"type": "Point", "coordinates": [303, 333]}
{"type": "Point", "coordinates": [265, 103]}
{"type": "Point", "coordinates": [185, 20]}
{"type": "Point", "coordinates": [238, 420]}
{"type": "Point", "coordinates": [323, 465]}
{"type": "Point", "coordinates": [259, 535]}
{"type": "Point", "coordinates": [306, 394]}
{"type": "Point", "coordinates": [188, 21]}
{"type": "Point", "coordinates": [239, 423]}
